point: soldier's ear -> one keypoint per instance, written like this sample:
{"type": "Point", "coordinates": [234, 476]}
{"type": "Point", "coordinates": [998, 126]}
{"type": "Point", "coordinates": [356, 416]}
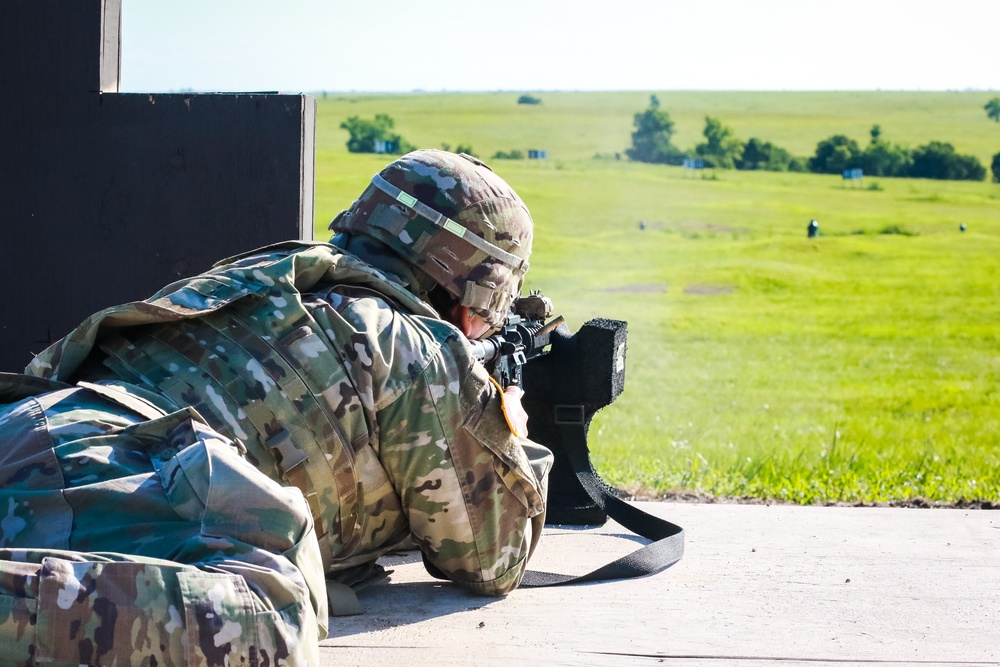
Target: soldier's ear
{"type": "Point", "coordinates": [459, 316]}
{"type": "Point", "coordinates": [463, 318]}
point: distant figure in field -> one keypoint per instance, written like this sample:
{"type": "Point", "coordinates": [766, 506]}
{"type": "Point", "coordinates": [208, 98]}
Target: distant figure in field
{"type": "Point", "coordinates": [813, 229]}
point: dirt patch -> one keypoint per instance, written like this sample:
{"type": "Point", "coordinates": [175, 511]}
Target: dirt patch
{"type": "Point", "coordinates": [690, 226]}
{"type": "Point", "coordinates": [650, 288]}
{"type": "Point", "coordinates": [709, 227]}
{"type": "Point", "coordinates": [709, 290]}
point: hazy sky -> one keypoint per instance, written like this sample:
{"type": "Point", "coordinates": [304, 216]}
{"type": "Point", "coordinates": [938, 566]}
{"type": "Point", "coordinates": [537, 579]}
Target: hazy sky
{"type": "Point", "coordinates": [433, 45]}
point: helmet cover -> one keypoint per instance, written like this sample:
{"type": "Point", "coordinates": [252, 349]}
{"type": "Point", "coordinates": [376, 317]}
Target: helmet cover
{"type": "Point", "coordinates": [454, 219]}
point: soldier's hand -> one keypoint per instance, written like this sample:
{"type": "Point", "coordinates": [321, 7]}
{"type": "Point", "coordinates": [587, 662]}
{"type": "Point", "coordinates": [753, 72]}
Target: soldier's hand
{"type": "Point", "coordinates": [516, 415]}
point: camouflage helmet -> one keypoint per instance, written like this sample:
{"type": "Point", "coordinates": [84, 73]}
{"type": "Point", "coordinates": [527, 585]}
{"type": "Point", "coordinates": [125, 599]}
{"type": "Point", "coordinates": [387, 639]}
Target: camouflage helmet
{"type": "Point", "coordinates": [454, 219]}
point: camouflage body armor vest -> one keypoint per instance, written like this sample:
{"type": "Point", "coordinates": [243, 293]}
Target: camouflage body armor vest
{"type": "Point", "coordinates": [266, 393]}
{"type": "Point", "coordinates": [261, 371]}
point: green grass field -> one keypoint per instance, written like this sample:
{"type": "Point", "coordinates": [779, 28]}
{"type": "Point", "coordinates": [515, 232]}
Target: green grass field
{"type": "Point", "coordinates": [859, 366]}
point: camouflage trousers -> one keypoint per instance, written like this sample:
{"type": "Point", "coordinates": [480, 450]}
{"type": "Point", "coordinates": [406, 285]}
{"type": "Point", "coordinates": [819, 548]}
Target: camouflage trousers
{"type": "Point", "coordinates": [130, 536]}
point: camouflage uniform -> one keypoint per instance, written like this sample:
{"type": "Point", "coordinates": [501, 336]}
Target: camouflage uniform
{"type": "Point", "coordinates": [330, 377]}
{"type": "Point", "coordinates": [293, 412]}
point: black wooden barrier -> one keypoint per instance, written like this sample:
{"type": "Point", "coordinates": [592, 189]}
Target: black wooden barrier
{"type": "Point", "coordinates": [105, 197]}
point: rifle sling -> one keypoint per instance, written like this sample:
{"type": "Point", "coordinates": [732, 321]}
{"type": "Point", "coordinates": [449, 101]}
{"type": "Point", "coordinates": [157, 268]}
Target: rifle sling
{"type": "Point", "coordinates": [668, 538]}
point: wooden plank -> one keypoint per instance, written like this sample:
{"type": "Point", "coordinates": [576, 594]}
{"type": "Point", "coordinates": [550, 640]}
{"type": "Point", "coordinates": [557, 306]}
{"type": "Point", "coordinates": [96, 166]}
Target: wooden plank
{"type": "Point", "coordinates": [759, 585]}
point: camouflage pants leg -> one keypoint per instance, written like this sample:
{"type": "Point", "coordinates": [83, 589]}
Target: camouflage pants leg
{"type": "Point", "coordinates": [126, 540]}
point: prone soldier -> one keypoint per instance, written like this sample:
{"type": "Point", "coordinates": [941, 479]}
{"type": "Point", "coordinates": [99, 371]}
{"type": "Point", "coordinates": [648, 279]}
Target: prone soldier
{"type": "Point", "coordinates": [180, 475]}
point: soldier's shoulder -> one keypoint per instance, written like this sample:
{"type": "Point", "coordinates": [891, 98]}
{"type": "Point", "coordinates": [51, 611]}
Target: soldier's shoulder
{"type": "Point", "coordinates": [278, 251]}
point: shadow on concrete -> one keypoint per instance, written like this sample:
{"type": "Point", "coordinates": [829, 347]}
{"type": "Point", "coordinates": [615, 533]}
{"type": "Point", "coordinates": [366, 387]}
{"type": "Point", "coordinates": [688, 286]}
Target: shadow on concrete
{"type": "Point", "coordinates": [392, 605]}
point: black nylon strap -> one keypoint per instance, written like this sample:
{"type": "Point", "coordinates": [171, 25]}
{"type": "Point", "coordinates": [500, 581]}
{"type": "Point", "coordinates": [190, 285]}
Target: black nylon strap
{"type": "Point", "coordinates": [666, 549]}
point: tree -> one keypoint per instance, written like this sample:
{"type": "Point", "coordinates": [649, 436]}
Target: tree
{"type": "Point", "coordinates": [529, 99]}
{"type": "Point", "coordinates": [882, 158]}
{"type": "Point", "coordinates": [939, 160]}
{"type": "Point", "coordinates": [763, 155]}
{"type": "Point", "coordinates": [995, 168]}
{"type": "Point", "coordinates": [756, 154]}
{"type": "Point", "coordinates": [364, 134]}
{"type": "Point", "coordinates": [515, 154]}
{"type": "Point", "coordinates": [993, 109]}
{"type": "Point", "coordinates": [651, 139]}
{"type": "Point", "coordinates": [461, 148]}
{"type": "Point", "coordinates": [834, 155]}
{"type": "Point", "coordinates": [721, 148]}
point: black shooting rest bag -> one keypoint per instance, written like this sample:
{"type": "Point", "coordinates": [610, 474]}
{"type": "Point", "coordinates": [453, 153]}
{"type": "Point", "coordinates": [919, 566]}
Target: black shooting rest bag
{"type": "Point", "coordinates": [563, 390]}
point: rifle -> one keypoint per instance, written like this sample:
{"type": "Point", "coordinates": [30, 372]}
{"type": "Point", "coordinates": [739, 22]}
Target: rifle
{"type": "Point", "coordinates": [570, 377]}
{"type": "Point", "coordinates": [525, 335]}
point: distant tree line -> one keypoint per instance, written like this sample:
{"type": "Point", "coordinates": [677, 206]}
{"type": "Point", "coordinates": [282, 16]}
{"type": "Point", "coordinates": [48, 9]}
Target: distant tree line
{"type": "Point", "coordinates": [881, 158]}
{"type": "Point", "coordinates": [514, 154]}
{"type": "Point", "coordinates": [379, 136]}
{"type": "Point", "coordinates": [374, 136]}
{"type": "Point", "coordinates": [460, 148]}
{"type": "Point", "coordinates": [652, 142]}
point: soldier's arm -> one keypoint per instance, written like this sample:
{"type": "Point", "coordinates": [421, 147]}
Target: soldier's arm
{"type": "Point", "coordinates": [473, 497]}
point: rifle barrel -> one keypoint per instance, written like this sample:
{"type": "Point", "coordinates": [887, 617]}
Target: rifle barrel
{"type": "Point", "coordinates": [485, 349]}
